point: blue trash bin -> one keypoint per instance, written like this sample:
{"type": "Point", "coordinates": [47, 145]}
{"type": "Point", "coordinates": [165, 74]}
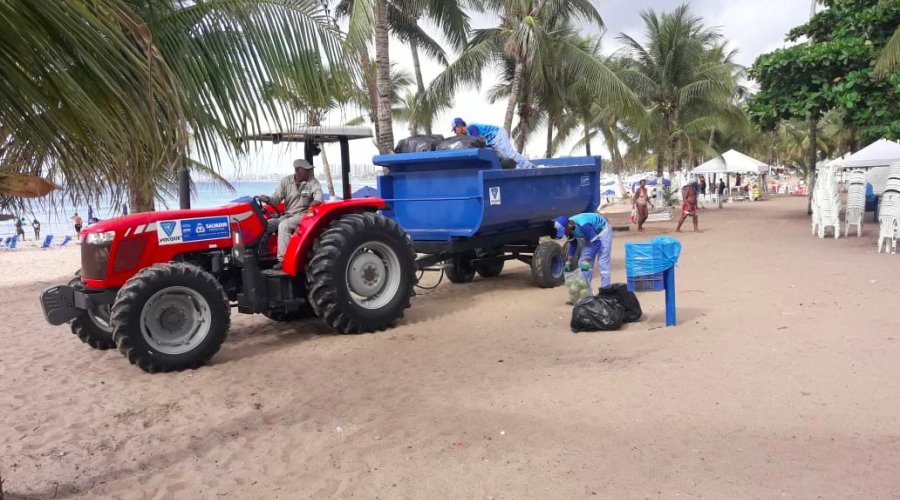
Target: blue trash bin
{"type": "Point", "coordinates": [650, 267]}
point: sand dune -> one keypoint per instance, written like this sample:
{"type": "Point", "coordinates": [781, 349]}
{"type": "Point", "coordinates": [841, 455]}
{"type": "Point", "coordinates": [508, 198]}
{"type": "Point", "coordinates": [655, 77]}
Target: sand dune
{"type": "Point", "coordinates": [780, 381]}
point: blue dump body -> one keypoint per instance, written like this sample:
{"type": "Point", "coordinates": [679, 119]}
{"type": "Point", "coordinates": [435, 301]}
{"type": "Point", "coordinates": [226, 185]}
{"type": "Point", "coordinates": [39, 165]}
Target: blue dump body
{"type": "Point", "coordinates": [448, 195]}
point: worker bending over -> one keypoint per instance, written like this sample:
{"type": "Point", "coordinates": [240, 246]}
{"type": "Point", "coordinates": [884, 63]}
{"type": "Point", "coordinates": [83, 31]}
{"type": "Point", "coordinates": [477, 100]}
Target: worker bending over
{"type": "Point", "coordinates": [592, 232]}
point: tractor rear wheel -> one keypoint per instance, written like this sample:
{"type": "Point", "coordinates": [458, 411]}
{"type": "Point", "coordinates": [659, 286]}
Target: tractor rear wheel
{"type": "Point", "coordinates": [461, 269]}
{"type": "Point", "coordinates": [548, 265]}
{"type": "Point", "coordinates": [170, 317]}
{"type": "Point", "coordinates": [361, 273]}
{"type": "Point", "coordinates": [93, 326]}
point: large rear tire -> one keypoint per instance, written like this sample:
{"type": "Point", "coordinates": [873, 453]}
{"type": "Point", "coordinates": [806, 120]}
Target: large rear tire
{"type": "Point", "coordinates": [361, 273]}
{"type": "Point", "coordinates": [170, 317]}
{"type": "Point", "coordinates": [460, 269]}
{"type": "Point", "coordinates": [548, 265]}
{"type": "Point", "coordinates": [93, 327]}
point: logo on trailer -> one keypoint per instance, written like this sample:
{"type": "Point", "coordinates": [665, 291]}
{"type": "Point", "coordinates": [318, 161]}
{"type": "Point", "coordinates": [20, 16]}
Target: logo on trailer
{"type": "Point", "coordinates": [494, 194]}
{"type": "Point", "coordinates": [585, 181]}
{"type": "Point", "coordinates": [168, 226]}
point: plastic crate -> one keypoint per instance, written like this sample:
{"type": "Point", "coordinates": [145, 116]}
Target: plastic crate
{"type": "Point", "coordinates": [647, 283]}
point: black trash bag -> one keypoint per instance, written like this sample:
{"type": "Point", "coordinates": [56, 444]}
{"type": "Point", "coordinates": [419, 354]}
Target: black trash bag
{"type": "Point", "coordinates": [461, 142]}
{"type": "Point", "coordinates": [594, 314]}
{"type": "Point", "coordinates": [418, 143]}
{"type": "Point", "coordinates": [507, 163]}
{"type": "Point", "coordinates": [631, 306]}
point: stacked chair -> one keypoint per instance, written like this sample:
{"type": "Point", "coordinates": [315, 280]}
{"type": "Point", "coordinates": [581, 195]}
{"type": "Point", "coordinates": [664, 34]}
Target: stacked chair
{"type": "Point", "coordinates": [856, 202]}
{"type": "Point", "coordinates": [826, 203]}
{"type": "Point", "coordinates": [889, 211]}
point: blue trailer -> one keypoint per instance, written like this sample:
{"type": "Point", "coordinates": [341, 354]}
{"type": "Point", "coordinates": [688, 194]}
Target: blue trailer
{"type": "Point", "coordinates": [461, 208]}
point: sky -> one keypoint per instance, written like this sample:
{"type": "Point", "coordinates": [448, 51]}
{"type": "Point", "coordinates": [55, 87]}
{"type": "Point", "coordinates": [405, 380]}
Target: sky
{"type": "Point", "coordinates": [753, 27]}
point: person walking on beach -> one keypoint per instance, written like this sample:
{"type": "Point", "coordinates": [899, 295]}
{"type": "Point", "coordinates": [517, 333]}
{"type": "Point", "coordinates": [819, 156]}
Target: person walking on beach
{"type": "Point", "coordinates": [641, 204]}
{"type": "Point", "coordinates": [299, 192]}
{"type": "Point", "coordinates": [76, 219]}
{"type": "Point", "coordinates": [20, 228]}
{"type": "Point", "coordinates": [688, 206]}
{"type": "Point", "coordinates": [37, 229]}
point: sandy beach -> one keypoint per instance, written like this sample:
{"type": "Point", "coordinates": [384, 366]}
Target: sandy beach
{"type": "Point", "coordinates": [780, 380]}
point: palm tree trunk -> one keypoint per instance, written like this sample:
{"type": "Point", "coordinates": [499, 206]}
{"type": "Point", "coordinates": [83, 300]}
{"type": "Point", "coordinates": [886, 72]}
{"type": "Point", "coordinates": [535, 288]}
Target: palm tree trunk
{"type": "Point", "coordinates": [329, 180]}
{"type": "Point", "coordinates": [661, 150]}
{"type": "Point", "coordinates": [587, 139]}
{"type": "Point", "coordinates": [514, 94]}
{"type": "Point", "coordinates": [549, 138]}
{"type": "Point", "coordinates": [420, 82]}
{"type": "Point", "coordinates": [138, 197]}
{"type": "Point", "coordinates": [383, 78]}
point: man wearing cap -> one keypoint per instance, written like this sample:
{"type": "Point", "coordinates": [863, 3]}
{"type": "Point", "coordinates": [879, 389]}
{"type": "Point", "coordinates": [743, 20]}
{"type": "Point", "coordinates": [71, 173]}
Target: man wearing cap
{"type": "Point", "coordinates": [299, 192]}
{"type": "Point", "coordinates": [495, 137]}
{"type": "Point", "coordinates": [592, 232]}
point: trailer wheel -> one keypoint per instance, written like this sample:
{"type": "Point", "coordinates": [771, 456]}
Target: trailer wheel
{"type": "Point", "coordinates": [361, 273]}
{"type": "Point", "coordinates": [92, 327]}
{"type": "Point", "coordinates": [548, 265]}
{"type": "Point", "coordinates": [170, 317]}
{"type": "Point", "coordinates": [461, 269]}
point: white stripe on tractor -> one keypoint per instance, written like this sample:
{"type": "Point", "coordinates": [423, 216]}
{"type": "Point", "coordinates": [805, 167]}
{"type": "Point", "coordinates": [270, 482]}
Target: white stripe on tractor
{"type": "Point", "coordinates": [242, 216]}
{"type": "Point", "coordinates": [139, 229]}
{"type": "Point", "coordinates": [151, 227]}
{"type": "Point", "coordinates": [128, 232]}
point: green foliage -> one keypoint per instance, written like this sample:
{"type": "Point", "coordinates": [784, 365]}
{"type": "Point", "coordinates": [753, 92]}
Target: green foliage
{"type": "Point", "coordinates": [833, 69]}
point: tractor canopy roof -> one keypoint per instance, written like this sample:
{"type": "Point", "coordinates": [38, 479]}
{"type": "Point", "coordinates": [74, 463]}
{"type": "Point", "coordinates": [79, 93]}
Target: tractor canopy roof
{"type": "Point", "coordinates": [313, 134]}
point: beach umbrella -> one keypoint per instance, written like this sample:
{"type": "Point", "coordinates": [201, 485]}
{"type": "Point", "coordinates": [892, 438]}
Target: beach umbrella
{"type": "Point", "coordinates": [366, 192]}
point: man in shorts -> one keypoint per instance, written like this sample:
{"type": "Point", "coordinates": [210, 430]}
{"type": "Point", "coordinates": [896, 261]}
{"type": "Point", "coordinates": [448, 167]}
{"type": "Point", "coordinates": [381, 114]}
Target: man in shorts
{"type": "Point", "coordinates": [76, 219]}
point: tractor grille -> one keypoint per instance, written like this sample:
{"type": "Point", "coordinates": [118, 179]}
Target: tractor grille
{"type": "Point", "coordinates": [128, 254]}
{"type": "Point", "coordinates": [94, 259]}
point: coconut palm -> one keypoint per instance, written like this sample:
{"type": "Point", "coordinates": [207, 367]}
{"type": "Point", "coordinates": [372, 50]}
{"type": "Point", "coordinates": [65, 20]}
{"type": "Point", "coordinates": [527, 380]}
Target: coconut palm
{"type": "Point", "coordinates": [890, 56]}
{"type": "Point", "coordinates": [674, 70]}
{"type": "Point", "coordinates": [400, 17]}
{"type": "Point", "coordinates": [120, 89]}
{"type": "Point", "coordinates": [526, 37]}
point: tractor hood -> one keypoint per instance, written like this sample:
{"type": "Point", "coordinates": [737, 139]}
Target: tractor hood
{"type": "Point", "coordinates": [146, 221]}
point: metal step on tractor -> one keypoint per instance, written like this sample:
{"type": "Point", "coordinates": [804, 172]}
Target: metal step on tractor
{"type": "Point", "coordinates": [160, 286]}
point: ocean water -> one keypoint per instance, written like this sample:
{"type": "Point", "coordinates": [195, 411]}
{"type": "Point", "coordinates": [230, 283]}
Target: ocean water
{"type": "Point", "coordinates": [58, 222]}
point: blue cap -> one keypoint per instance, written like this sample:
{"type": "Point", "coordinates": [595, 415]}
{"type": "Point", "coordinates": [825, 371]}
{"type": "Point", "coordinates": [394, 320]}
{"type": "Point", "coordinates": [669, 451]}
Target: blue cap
{"type": "Point", "coordinates": [457, 122]}
{"type": "Point", "coordinates": [560, 224]}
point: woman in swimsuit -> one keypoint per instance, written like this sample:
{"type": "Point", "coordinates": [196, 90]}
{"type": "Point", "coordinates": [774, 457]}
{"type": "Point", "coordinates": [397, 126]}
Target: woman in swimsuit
{"type": "Point", "coordinates": [641, 204]}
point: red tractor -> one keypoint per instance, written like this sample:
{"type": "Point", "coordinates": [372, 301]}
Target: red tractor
{"type": "Point", "coordinates": [160, 285]}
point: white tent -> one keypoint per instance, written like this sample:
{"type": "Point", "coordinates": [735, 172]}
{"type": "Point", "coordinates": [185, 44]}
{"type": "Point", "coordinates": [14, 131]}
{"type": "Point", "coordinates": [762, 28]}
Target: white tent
{"type": "Point", "coordinates": [731, 162]}
{"type": "Point", "coordinates": [880, 153]}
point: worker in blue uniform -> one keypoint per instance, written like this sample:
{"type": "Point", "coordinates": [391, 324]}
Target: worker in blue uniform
{"type": "Point", "coordinates": [495, 137]}
{"type": "Point", "coordinates": [593, 234]}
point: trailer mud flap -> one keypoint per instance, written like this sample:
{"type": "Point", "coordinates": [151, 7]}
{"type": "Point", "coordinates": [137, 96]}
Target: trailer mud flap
{"type": "Point", "coordinates": [58, 303]}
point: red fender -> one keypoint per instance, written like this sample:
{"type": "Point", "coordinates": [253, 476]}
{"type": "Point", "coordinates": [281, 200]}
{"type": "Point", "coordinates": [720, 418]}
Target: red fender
{"type": "Point", "coordinates": [317, 219]}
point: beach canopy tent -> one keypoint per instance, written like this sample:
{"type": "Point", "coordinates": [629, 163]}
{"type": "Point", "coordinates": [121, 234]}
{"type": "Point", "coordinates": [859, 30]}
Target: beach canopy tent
{"type": "Point", "coordinates": [881, 153]}
{"type": "Point", "coordinates": [732, 162]}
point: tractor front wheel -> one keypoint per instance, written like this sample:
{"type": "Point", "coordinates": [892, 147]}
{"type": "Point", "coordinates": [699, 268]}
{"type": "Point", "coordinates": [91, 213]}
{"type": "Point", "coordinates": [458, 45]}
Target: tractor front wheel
{"type": "Point", "coordinates": [361, 273]}
{"type": "Point", "coordinates": [93, 326]}
{"type": "Point", "coordinates": [170, 317]}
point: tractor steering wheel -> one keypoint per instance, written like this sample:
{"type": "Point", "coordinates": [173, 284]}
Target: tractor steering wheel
{"type": "Point", "coordinates": [266, 208]}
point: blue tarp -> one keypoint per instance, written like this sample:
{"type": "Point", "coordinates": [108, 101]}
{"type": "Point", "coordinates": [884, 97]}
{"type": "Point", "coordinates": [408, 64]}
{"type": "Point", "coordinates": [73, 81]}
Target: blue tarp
{"type": "Point", "coordinates": [651, 257]}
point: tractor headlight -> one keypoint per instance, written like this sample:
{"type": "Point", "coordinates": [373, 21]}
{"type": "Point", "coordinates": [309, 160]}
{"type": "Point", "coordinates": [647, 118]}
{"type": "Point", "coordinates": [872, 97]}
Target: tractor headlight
{"type": "Point", "coordinates": [100, 238]}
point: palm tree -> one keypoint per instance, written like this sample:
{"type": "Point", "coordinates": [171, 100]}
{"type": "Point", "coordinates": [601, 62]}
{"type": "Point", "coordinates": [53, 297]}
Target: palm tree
{"type": "Point", "coordinates": [400, 17]}
{"type": "Point", "coordinates": [672, 71]}
{"type": "Point", "coordinates": [890, 55]}
{"type": "Point", "coordinates": [121, 89]}
{"type": "Point", "coordinates": [525, 37]}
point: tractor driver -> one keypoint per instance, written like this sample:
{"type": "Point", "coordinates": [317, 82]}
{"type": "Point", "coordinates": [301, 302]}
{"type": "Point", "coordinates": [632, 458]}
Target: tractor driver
{"type": "Point", "coordinates": [299, 192]}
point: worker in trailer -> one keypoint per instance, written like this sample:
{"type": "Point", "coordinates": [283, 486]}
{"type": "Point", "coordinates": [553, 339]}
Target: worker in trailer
{"type": "Point", "coordinates": [495, 137]}
{"type": "Point", "coordinates": [592, 233]}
